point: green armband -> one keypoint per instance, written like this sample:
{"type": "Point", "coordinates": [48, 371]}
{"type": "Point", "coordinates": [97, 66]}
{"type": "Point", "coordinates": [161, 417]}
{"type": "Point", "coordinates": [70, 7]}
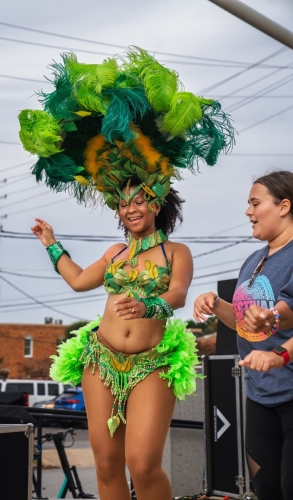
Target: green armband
{"type": "Point", "coordinates": [55, 251]}
{"type": "Point", "coordinates": [157, 308]}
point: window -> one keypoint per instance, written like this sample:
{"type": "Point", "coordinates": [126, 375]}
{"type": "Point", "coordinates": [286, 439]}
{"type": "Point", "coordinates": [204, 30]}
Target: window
{"type": "Point", "coordinates": [53, 390]}
{"type": "Point", "coordinates": [41, 389]}
{"type": "Point", "coordinates": [20, 386]}
{"type": "Point", "coordinates": [28, 347]}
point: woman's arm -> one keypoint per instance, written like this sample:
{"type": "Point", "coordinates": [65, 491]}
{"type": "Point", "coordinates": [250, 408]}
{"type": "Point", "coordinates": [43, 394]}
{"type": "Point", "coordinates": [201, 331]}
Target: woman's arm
{"type": "Point", "coordinates": [78, 279]}
{"type": "Point", "coordinates": [204, 305]}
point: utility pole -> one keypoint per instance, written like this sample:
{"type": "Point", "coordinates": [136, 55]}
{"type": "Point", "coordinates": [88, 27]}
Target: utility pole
{"type": "Point", "coordinates": [257, 20]}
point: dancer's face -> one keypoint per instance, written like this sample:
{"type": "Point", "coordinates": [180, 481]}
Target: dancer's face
{"type": "Point", "coordinates": [136, 216]}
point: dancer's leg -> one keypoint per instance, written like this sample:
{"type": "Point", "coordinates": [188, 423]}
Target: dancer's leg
{"type": "Point", "coordinates": [149, 412]}
{"type": "Point", "coordinates": [109, 453]}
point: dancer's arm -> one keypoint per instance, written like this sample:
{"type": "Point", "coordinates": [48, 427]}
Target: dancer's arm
{"type": "Point", "coordinates": [80, 280]}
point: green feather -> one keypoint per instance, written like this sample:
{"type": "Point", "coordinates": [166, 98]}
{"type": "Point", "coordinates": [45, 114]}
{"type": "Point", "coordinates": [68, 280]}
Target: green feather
{"type": "Point", "coordinates": [125, 106]}
{"type": "Point", "coordinates": [159, 82]}
{"type": "Point", "coordinates": [60, 103]}
{"type": "Point", "coordinates": [185, 110]}
{"type": "Point", "coordinates": [90, 100]}
{"type": "Point", "coordinates": [59, 168]}
{"type": "Point", "coordinates": [94, 77]}
{"type": "Point", "coordinates": [39, 132]}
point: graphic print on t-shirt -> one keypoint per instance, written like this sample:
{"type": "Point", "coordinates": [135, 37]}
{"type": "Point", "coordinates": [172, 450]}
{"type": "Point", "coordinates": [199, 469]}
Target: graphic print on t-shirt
{"type": "Point", "coordinates": [260, 294]}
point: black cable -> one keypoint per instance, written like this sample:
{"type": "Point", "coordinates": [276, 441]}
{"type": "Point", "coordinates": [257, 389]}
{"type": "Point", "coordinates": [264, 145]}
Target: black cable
{"type": "Point", "coordinates": [99, 296]}
{"type": "Point", "coordinates": [222, 248]}
{"type": "Point", "coordinates": [30, 275]}
{"type": "Point", "coordinates": [117, 46]}
{"type": "Point", "coordinates": [10, 142]}
{"type": "Point", "coordinates": [38, 301]}
{"type": "Point", "coordinates": [23, 79]}
{"type": "Point", "coordinates": [265, 119]}
{"type": "Point", "coordinates": [215, 274]}
{"type": "Point", "coordinates": [24, 199]}
{"type": "Point", "coordinates": [269, 88]}
{"type": "Point", "coordinates": [37, 207]}
{"type": "Point", "coordinates": [215, 85]}
{"type": "Point", "coordinates": [36, 186]}
{"type": "Point", "coordinates": [14, 166]}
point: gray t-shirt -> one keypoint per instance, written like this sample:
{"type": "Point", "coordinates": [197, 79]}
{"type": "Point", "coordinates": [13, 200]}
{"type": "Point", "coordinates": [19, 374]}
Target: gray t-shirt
{"type": "Point", "coordinates": [272, 284]}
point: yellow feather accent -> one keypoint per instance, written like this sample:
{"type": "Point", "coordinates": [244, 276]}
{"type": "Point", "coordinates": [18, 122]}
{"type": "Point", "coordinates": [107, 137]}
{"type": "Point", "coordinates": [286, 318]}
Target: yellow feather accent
{"type": "Point", "coordinates": [82, 180]}
{"type": "Point", "coordinates": [83, 113]}
{"type": "Point", "coordinates": [133, 275]}
{"type": "Point", "coordinates": [148, 190]}
{"type": "Point", "coordinates": [92, 165]}
{"type": "Point", "coordinates": [166, 168]}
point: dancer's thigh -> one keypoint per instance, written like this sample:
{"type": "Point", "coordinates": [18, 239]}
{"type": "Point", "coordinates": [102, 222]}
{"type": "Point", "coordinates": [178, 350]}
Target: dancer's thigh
{"type": "Point", "coordinates": [98, 402]}
{"type": "Point", "coordinates": [149, 412]}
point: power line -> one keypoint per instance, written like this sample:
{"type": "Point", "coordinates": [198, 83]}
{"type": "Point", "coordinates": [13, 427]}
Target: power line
{"type": "Point", "coordinates": [73, 300]}
{"type": "Point", "coordinates": [215, 85]}
{"type": "Point", "coordinates": [25, 199]}
{"type": "Point", "coordinates": [15, 166]}
{"type": "Point", "coordinates": [269, 88]}
{"type": "Point", "coordinates": [266, 119]}
{"type": "Point", "coordinates": [37, 186]}
{"type": "Point", "coordinates": [30, 275]}
{"type": "Point", "coordinates": [23, 79]}
{"type": "Point", "coordinates": [222, 248]}
{"type": "Point", "coordinates": [11, 143]}
{"type": "Point", "coordinates": [59, 35]}
{"type": "Point", "coordinates": [215, 274]}
{"type": "Point", "coordinates": [37, 301]}
{"type": "Point", "coordinates": [37, 207]}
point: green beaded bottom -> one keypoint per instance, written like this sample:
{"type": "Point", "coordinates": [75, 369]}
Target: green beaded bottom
{"type": "Point", "coordinates": [121, 373]}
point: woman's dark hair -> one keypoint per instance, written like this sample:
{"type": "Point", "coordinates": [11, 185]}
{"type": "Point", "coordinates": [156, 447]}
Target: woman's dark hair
{"type": "Point", "coordinates": [169, 215]}
{"type": "Point", "coordinates": [280, 186]}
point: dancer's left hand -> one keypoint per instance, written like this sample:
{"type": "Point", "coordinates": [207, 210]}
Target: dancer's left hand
{"type": "Point", "coordinates": [129, 308]}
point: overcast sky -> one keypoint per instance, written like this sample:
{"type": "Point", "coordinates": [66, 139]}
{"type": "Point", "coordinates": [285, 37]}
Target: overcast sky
{"type": "Point", "coordinates": [218, 51]}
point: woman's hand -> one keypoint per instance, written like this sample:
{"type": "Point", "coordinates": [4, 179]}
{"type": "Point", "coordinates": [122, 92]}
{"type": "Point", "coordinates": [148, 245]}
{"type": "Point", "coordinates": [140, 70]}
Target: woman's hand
{"type": "Point", "coordinates": [44, 232]}
{"type": "Point", "coordinates": [262, 361]}
{"type": "Point", "coordinates": [258, 319]}
{"type": "Point", "coordinates": [203, 304]}
{"type": "Point", "coordinates": [129, 308]}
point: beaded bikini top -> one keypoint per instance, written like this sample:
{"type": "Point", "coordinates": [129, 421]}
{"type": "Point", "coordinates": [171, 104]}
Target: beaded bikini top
{"type": "Point", "coordinates": [151, 282]}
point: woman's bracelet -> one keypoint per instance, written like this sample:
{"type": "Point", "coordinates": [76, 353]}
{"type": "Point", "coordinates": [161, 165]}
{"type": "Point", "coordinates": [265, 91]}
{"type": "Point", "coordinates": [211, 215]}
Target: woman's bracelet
{"type": "Point", "coordinates": [55, 251]}
{"type": "Point", "coordinates": [215, 298]}
{"type": "Point", "coordinates": [156, 308]}
{"type": "Point", "coordinates": [275, 326]}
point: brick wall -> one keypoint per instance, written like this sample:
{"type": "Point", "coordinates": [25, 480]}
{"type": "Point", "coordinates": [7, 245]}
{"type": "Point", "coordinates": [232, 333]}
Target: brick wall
{"type": "Point", "coordinates": [12, 349]}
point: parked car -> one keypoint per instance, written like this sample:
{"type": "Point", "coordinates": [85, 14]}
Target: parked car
{"type": "Point", "coordinates": [38, 390]}
{"type": "Point", "coordinates": [71, 399]}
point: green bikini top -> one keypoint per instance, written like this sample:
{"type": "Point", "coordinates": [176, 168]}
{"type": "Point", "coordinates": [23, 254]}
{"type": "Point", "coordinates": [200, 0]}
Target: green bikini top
{"type": "Point", "coordinates": [151, 282]}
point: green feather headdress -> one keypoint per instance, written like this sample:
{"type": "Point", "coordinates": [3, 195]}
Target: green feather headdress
{"type": "Point", "coordinates": [105, 123]}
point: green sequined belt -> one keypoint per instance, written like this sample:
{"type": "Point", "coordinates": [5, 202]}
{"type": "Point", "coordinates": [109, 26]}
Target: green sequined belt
{"type": "Point", "coordinates": [177, 351]}
{"type": "Point", "coordinates": [120, 371]}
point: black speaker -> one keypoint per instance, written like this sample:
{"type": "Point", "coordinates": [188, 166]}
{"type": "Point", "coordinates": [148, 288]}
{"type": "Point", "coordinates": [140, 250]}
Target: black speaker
{"type": "Point", "coordinates": [226, 337]}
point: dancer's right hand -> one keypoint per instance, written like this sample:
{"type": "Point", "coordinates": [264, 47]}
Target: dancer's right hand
{"type": "Point", "coordinates": [44, 232]}
{"type": "Point", "coordinates": [203, 304]}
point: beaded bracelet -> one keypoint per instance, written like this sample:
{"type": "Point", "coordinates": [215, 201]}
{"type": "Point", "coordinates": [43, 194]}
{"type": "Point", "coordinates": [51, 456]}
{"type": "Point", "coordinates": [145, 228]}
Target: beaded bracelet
{"type": "Point", "coordinates": [275, 326]}
{"type": "Point", "coordinates": [215, 298]}
{"type": "Point", "coordinates": [156, 308]}
{"type": "Point", "coordinates": [55, 251]}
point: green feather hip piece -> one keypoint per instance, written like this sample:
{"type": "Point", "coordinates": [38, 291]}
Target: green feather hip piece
{"type": "Point", "coordinates": [122, 372]}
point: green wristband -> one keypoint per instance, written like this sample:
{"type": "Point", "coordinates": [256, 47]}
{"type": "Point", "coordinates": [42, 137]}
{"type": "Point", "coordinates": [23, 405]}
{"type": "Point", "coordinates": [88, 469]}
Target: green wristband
{"type": "Point", "coordinates": [55, 251]}
{"type": "Point", "coordinates": [156, 308]}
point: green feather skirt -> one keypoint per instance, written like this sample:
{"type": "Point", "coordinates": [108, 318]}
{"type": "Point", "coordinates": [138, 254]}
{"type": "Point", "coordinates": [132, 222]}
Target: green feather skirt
{"type": "Point", "coordinates": [177, 352]}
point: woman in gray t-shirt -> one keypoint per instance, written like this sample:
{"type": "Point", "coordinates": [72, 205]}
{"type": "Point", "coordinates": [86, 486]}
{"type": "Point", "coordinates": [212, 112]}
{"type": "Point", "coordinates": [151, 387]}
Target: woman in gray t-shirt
{"type": "Point", "coordinates": [262, 315]}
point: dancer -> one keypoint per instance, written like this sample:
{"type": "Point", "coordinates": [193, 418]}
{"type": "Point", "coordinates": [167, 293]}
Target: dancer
{"type": "Point", "coordinates": [262, 315]}
{"type": "Point", "coordinates": [125, 132]}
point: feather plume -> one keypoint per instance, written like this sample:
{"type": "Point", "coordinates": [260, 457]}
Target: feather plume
{"type": "Point", "coordinates": [185, 110]}
{"type": "Point", "coordinates": [39, 132]}
{"type": "Point", "coordinates": [60, 103]}
{"type": "Point", "coordinates": [93, 76]}
{"type": "Point", "coordinates": [159, 82]}
{"type": "Point", "coordinates": [125, 106]}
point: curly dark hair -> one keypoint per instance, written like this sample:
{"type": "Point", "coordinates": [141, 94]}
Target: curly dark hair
{"type": "Point", "coordinates": [169, 215]}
